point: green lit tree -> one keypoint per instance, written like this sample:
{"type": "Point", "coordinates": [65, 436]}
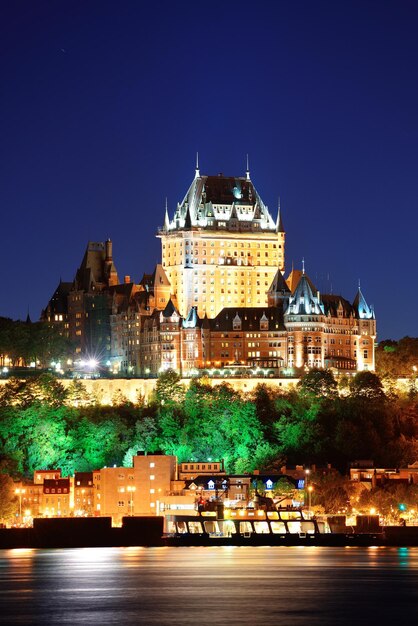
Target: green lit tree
{"type": "Point", "coordinates": [99, 443]}
{"type": "Point", "coordinates": [300, 428]}
{"type": "Point", "coordinates": [47, 442]}
{"type": "Point", "coordinates": [264, 399]}
{"type": "Point", "coordinates": [168, 389]}
{"type": "Point", "coordinates": [145, 439]}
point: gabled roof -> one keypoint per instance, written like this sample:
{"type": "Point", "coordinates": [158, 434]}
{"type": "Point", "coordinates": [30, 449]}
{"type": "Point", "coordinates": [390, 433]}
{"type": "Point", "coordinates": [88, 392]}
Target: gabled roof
{"type": "Point", "coordinates": [170, 310]}
{"type": "Point", "coordinates": [293, 279]}
{"type": "Point", "coordinates": [158, 277]}
{"type": "Point", "coordinates": [147, 282]}
{"type": "Point", "coordinates": [250, 318]}
{"type": "Point", "coordinates": [279, 285]}
{"type": "Point", "coordinates": [58, 304]}
{"type": "Point", "coordinates": [332, 302]}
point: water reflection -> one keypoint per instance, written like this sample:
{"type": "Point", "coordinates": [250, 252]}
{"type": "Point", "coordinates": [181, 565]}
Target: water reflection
{"type": "Point", "coordinates": [404, 554]}
{"type": "Point", "coordinates": [216, 585]}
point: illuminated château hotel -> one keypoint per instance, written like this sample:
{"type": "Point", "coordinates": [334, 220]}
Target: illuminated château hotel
{"type": "Point", "coordinates": [219, 302]}
{"type": "Point", "coordinates": [222, 248]}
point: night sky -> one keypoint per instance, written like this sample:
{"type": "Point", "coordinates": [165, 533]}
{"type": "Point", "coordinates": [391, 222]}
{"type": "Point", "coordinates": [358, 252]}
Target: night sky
{"type": "Point", "coordinates": [103, 106]}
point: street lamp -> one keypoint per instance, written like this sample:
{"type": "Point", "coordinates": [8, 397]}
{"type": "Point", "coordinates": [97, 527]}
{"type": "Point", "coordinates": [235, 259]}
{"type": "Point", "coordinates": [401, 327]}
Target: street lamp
{"type": "Point", "coordinates": [310, 489]}
{"type": "Point", "coordinates": [131, 490]}
{"type": "Point", "coordinates": [19, 491]}
{"type": "Point", "coordinates": [307, 472]}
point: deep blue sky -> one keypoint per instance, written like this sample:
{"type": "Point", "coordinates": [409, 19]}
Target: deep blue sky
{"type": "Point", "coordinates": [103, 106]}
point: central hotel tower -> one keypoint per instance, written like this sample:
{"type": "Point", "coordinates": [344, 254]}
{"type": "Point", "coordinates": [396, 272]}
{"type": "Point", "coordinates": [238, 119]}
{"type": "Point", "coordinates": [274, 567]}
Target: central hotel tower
{"type": "Point", "coordinates": [222, 248]}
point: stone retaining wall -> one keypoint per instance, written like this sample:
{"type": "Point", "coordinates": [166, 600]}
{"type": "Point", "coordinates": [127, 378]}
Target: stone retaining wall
{"type": "Point", "coordinates": [132, 388]}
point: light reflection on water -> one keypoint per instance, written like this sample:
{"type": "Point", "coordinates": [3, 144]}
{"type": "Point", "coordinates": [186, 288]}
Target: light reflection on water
{"type": "Point", "coordinates": [215, 585]}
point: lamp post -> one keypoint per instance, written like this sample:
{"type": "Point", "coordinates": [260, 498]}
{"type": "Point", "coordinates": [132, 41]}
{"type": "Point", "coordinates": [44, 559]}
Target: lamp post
{"type": "Point", "coordinates": [19, 491]}
{"type": "Point", "coordinates": [131, 490]}
{"type": "Point", "coordinates": [307, 472]}
{"type": "Point", "coordinates": [310, 489]}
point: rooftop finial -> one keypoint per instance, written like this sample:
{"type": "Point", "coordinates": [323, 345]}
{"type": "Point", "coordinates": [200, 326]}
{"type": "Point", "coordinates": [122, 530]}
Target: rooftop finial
{"type": "Point", "coordinates": [166, 219]}
{"type": "Point", "coordinates": [303, 266]}
{"type": "Point", "coordinates": [279, 223]}
{"type": "Point", "coordinates": [197, 173]}
{"type": "Point", "coordinates": [248, 168]}
{"type": "Point", "coordinates": [359, 286]}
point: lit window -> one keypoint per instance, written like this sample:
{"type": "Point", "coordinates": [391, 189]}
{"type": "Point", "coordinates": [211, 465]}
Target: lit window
{"type": "Point", "coordinates": [152, 477]}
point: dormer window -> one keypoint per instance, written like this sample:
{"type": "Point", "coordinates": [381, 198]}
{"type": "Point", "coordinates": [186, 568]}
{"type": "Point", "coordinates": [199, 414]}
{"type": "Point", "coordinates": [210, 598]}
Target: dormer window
{"type": "Point", "coordinates": [237, 323]}
{"type": "Point", "coordinates": [264, 323]}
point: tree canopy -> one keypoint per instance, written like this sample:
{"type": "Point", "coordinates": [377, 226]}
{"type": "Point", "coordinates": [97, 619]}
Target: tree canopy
{"type": "Point", "coordinates": [44, 426]}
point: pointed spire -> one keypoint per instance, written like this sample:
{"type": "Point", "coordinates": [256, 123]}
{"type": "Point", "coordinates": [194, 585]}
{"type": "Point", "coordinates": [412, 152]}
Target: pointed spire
{"type": "Point", "coordinates": [363, 309]}
{"type": "Point", "coordinates": [303, 266]}
{"type": "Point", "coordinates": [303, 301]}
{"type": "Point", "coordinates": [166, 219]}
{"type": "Point", "coordinates": [197, 172]}
{"type": "Point", "coordinates": [279, 223]}
{"type": "Point", "coordinates": [247, 173]}
{"type": "Point", "coordinates": [279, 288]}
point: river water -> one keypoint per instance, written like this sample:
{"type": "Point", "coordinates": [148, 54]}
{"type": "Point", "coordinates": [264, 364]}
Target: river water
{"type": "Point", "coordinates": [210, 586]}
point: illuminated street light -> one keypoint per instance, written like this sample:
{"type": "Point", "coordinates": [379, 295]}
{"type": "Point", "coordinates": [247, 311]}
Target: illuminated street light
{"type": "Point", "coordinates": [19, 493]}
{"type": "Point", "coordinates": [306, 490]}
{"type": "Point", "coordinates": [310, 489]}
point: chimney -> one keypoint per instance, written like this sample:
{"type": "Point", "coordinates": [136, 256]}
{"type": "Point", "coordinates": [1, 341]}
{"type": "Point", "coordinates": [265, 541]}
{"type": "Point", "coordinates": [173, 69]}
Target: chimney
{"type": "Point", "coordinates": [108, 245]}
{"type": "Point", "coordinates": [127, 279]}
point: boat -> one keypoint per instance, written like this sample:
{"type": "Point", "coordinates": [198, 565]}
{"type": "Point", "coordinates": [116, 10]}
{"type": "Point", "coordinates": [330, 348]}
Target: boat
{"type": "Point", "coordinates": [280, 526]}
{"type": "Point", "coordinates": [244, 526]}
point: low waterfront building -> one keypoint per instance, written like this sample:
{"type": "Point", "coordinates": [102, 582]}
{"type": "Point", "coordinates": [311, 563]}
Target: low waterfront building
{"type": "Point", "coordinates": [55, 498]}
{"type": "Point", "coordinates": [115, 493]}
{"type": "Point", "coordinates": [83, 494]}
{"type": "Point", "coordinates": [370, 476]}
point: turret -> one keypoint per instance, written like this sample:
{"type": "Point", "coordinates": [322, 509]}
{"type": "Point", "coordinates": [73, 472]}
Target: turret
{"type": "Point", "coordinates": [108, 248]}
